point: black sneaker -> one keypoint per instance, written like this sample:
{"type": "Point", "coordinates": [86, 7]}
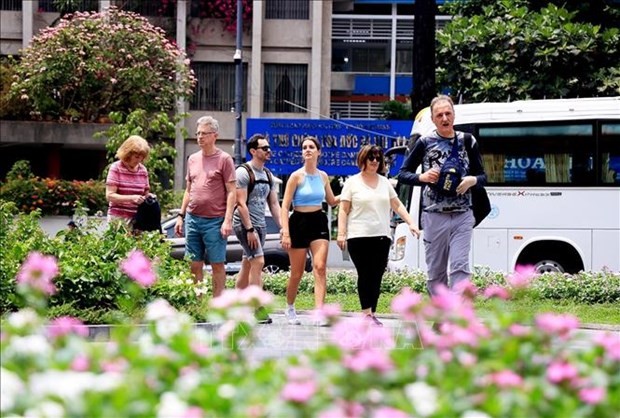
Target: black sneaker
{"type": "Point", "coordinates": [262, 317]}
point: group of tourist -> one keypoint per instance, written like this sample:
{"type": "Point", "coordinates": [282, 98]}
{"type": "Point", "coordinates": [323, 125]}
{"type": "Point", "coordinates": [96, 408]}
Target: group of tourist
{"type": "Point", "coordinates": [220, 199]}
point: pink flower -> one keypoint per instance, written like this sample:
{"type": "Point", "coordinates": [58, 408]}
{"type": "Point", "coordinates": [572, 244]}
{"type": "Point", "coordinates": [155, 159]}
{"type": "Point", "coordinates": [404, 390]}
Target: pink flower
{"type": "Point", "coordinates": [364, 360]}
{"type": "Point", "coordinates": [193, 412]}
{"type": "Point", "coordinates": [300, 392]}
{"type": "Point", "coordinates": [387, 412]}
{"type": "Point", "coordinates": [407, 303]}
{"type": "Point", "coordinates": [138, 267]}
{"type": "Point", "coordinates": [522, 276]}
{"type": "Point", "coordinates": [592, 395]}
{"type": "Point", "coordinates": [518, 330]}
{"type": "Point", "coordinates": [495, 291]}
{"type": "Point", "coordinates": [560, 371]}
{"type": "Point", "coordinates": [506, 379]}
{"type": "Point", "coordinates": [38, 271]}
{"type": "Point", "coordinates": [358, 334]}
{"type": "Point", "coordinates": [80, 363]}
{"type": "Point", "coordinates": [300, 373]}
{"type": "Point", "coordinates": [611, 344]}
{"type": "Point", "coordinates": [561, 325]}
{"type": "Point", "coordinates": [65, 325]}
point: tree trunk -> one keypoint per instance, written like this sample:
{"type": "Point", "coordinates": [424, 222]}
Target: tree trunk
{"type": "Point", "coordinates": [423, 72]}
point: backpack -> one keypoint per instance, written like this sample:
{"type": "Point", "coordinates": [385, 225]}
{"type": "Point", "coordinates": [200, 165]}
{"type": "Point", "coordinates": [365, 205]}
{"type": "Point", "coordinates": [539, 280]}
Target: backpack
{"type": "Point", "coordinates": [450, 172]}
{"type": "Point", "coordinates": [480, 203]}
{"type": "Point", "coordinates": [253, 180]}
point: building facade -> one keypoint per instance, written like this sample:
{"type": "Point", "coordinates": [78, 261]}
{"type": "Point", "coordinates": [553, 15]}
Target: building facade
{"type": "Point", "coordinates": [301, 59]}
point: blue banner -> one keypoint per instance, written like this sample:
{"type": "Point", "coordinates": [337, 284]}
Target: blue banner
{"type": "Point", "coordinates": [340, 141]}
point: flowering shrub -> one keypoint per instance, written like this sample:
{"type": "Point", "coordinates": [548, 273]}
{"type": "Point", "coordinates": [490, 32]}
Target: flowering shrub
{"type": "Point", "coordinates": [53, 196]}
{"type": "Point", "coordinates": [462, 368]}
{"type": "Point", "coordinates": [225, 10]}
{"type": "Point", "coordinates": [91, 64]}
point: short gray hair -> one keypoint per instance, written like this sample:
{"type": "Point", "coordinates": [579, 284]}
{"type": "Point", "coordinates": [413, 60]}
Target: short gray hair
{"type": "Point", "coordinates": [209, 120]}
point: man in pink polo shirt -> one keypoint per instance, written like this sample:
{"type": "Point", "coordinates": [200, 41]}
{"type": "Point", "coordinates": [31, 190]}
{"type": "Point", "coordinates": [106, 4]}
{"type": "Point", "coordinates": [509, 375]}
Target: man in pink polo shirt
{"type": "Point", "coordinates": [208, 204]}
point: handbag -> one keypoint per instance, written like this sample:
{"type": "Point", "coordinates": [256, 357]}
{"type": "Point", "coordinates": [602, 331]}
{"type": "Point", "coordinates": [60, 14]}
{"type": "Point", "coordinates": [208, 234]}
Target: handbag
{"type": "Point", "coordinates": [480, 203]}
{"type": "Point", "coordinates": [450, 172]}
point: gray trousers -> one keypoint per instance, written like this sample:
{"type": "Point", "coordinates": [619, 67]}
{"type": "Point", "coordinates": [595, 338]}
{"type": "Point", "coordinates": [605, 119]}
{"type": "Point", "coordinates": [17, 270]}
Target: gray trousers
{"type": "Point", "coordinates": [447, 239]}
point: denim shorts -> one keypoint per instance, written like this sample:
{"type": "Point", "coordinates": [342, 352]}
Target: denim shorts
{"type": "Point", "coordinates": [242, 236]}
{"type": "Point", "coordinates": [203, 239]}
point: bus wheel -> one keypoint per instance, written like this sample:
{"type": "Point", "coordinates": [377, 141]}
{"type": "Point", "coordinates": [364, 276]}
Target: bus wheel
{"type": "Point", "coordinates": [551, 257]}
{"type": "Point", "coordinates": [548, 266]}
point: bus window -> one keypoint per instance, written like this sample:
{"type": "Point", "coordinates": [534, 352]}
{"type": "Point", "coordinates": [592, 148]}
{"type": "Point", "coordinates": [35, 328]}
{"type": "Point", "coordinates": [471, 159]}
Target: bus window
{"type": "Point", "coordinates": [610, 153]}
{"type": "Point", "coordinates": [538, 154]}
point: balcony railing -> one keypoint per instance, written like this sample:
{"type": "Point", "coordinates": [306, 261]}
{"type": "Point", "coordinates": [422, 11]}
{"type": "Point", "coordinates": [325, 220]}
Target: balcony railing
{"type": "Point", "coordinates": [376, 27]}
{"type": "Point", "coordinates": [356, 110]}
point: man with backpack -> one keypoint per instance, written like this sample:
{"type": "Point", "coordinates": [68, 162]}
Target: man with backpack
{"type": "Point", "coordinates": [451, 166]}
{"type": "Point", "coordinates": [255, 187]}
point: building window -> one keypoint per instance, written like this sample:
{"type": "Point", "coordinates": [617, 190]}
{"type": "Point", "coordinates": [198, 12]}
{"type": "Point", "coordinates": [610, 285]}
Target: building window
{"type": "Point", "coordinates": [286, 84]}
{"type": "Point", "coordinates": [80, 6]}
{"type": "Point", "coordinates": [13, 5]}
{"type": "Point", "coordinates": [161, 8]}
{"type": "Point", "coordinates": [215, 89]}
{"type": "Point", "coordinates": [287, 9]}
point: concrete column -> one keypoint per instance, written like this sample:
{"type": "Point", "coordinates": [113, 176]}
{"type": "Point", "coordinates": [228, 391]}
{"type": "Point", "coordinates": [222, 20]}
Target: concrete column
{"type": "Point", "coordinates": [28, 9]}
{"type": "Point", "coordinates": [393, 53]}
{"type": "Point", "coordinates": [179, 140]}
{"type": "Point", "coordinates": [255, 93]}
{"type": "Point", "coordinates": [315, 70]}
{"type": "Point", "coordinates": [104, 5]}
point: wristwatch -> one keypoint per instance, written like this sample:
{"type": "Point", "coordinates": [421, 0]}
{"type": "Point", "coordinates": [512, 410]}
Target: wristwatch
{"type": "Point", "coordinates": [181, 215]}
{"type": "Point", "coordinates": [250, 229]}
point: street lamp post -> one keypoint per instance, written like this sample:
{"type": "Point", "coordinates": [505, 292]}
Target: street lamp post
{"type": "Point", "coordinates": [238, 83]}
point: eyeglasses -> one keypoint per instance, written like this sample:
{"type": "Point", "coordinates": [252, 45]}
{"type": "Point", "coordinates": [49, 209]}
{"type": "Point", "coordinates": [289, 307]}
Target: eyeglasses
{"type": "Point", "coordinates": [373, 158]}
{"type": "Point", "coordinates": [265, 148]}
{"type": "Point", "coordinates": [204, 133]}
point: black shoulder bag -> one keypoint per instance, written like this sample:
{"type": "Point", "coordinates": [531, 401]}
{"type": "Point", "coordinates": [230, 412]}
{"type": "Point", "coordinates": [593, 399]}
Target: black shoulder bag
{"type": "Point", "coordinates": [481, 205]}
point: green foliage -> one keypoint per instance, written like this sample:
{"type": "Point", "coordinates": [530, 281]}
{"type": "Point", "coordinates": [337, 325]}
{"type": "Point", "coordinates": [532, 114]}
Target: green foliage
{"type": "Point", "coordinates": [92, 64]}
{"type": "Point", "coordinates": [159, 130]}
{"type": "Point", "coordinates": [396, 110]}
{"type": "Point", "coordinates": [11, 107]}
{"type": "Point", "coordinates": [517, 49]}
{"type": "Point", "coordinates": [51, 196]}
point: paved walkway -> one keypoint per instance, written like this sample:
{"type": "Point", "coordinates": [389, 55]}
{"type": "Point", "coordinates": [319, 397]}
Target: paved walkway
{"type": "Point", "coordinates": [280, 339]}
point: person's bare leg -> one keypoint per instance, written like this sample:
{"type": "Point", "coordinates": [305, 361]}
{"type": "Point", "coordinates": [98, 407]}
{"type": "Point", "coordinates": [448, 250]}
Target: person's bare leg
{"type": "Point", "coordinates": [196, 269]}
{"type": "Point", "coordinates": [256, 271]}
{"type": "Point", "coordinates": [297, 257]}
{"type": "Point", "coordinates": [218, 278]}
{"type": "Point", "coordinates": [319, 250]}
{"type": "Point", "coordinates": [244, 275]}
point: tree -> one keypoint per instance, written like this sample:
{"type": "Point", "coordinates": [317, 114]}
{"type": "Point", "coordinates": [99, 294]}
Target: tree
{"type": "Point", "coordinates": [423, 72]}
{"type": "Point", "coordinates": [519, 49]}
{"type": "Point", "coordinates": [92, 64]}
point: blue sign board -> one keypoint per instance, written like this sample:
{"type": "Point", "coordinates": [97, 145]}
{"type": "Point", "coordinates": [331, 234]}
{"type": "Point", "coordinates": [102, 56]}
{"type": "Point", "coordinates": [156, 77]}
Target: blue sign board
{"type": "Point", "coordinates": [340, 141]}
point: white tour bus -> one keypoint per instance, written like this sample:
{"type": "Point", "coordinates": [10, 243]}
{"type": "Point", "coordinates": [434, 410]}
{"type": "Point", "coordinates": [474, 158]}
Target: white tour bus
{"type": "Point", "coordinates": [553, 171]}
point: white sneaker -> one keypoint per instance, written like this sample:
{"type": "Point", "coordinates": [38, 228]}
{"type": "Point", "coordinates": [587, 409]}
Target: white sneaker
{"type": "Point", "coordinates": [291, 315]}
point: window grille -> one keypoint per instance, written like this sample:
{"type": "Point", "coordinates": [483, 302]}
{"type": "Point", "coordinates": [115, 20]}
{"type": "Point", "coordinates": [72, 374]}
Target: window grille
{"type": "Point", "coordinates": [11, 5]}
{"type": "Point", "coordinates": [287, 9]}
{"type": "Point", "coordinates": [285, 82]}
{"type": "Point", "coordinates": [215, 89]}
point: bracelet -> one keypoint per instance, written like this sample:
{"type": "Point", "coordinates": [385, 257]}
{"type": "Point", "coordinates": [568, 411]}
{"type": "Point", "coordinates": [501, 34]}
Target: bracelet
{"type": "Point", "coordinates": [180, 215]}
{"type": "Point", "coordinates": [251, 229]}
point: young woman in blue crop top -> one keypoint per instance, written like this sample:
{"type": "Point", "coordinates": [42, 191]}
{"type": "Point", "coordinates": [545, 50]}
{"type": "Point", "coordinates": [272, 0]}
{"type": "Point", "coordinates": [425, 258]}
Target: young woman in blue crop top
{"type": "Point", "coordinates": [307, 227]}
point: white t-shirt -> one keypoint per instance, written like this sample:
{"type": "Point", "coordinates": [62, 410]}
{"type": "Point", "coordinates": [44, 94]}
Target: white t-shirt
{"type": "Point", "coordinates": [370, 207]}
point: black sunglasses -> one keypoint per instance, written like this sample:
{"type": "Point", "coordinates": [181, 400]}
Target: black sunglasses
{"type": "Point", "coordinates": [373, 158]}
{"type": "Point", "coordinates": [265, 148]}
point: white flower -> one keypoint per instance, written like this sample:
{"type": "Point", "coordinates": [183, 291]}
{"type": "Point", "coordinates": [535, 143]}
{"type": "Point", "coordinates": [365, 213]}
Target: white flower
{"type": "Point", "coordinates": [26, 318]}
{"type": "Point", "coordinates": [159, 309]}
{"type": "Point", "coordinates": [73, 386]}
{"type": "Point", "coordinates": [475, 414]}
{"type": "Point", "coordinates": [187, 382]}
{"type": "Point", "coordinates": [423, 397]}
{"type": "Point", "coordinates": [28, 346]}
{"type": "Point", "coordinates": [10, 388]}
{"type": "Point", "coordinates": [47, 409]}
{"type": "Point", "coordinates": [170, 406]}
{"type": "Point", "coordinates": [226, 391]}
{"type": "Point", "coordinates": [166, 328]}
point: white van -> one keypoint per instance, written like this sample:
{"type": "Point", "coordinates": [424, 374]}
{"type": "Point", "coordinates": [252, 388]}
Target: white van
{"type": "Point", "coordinates": [553, 170]}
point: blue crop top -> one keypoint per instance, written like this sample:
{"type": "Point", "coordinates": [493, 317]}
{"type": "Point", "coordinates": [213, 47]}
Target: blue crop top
{"type": "Point", "coordinates": [311, 192]}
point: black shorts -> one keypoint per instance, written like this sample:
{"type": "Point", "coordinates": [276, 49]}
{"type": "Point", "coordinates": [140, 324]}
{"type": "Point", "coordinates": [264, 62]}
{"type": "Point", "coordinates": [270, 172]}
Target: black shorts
{"type": "Point", "coordinates": [305, 227]}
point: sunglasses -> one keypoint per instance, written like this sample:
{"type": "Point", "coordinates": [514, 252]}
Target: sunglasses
{"type": "Point", "coordinates": [373, 158]}
{"type": "Point", "coordinates": [265, 148]}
